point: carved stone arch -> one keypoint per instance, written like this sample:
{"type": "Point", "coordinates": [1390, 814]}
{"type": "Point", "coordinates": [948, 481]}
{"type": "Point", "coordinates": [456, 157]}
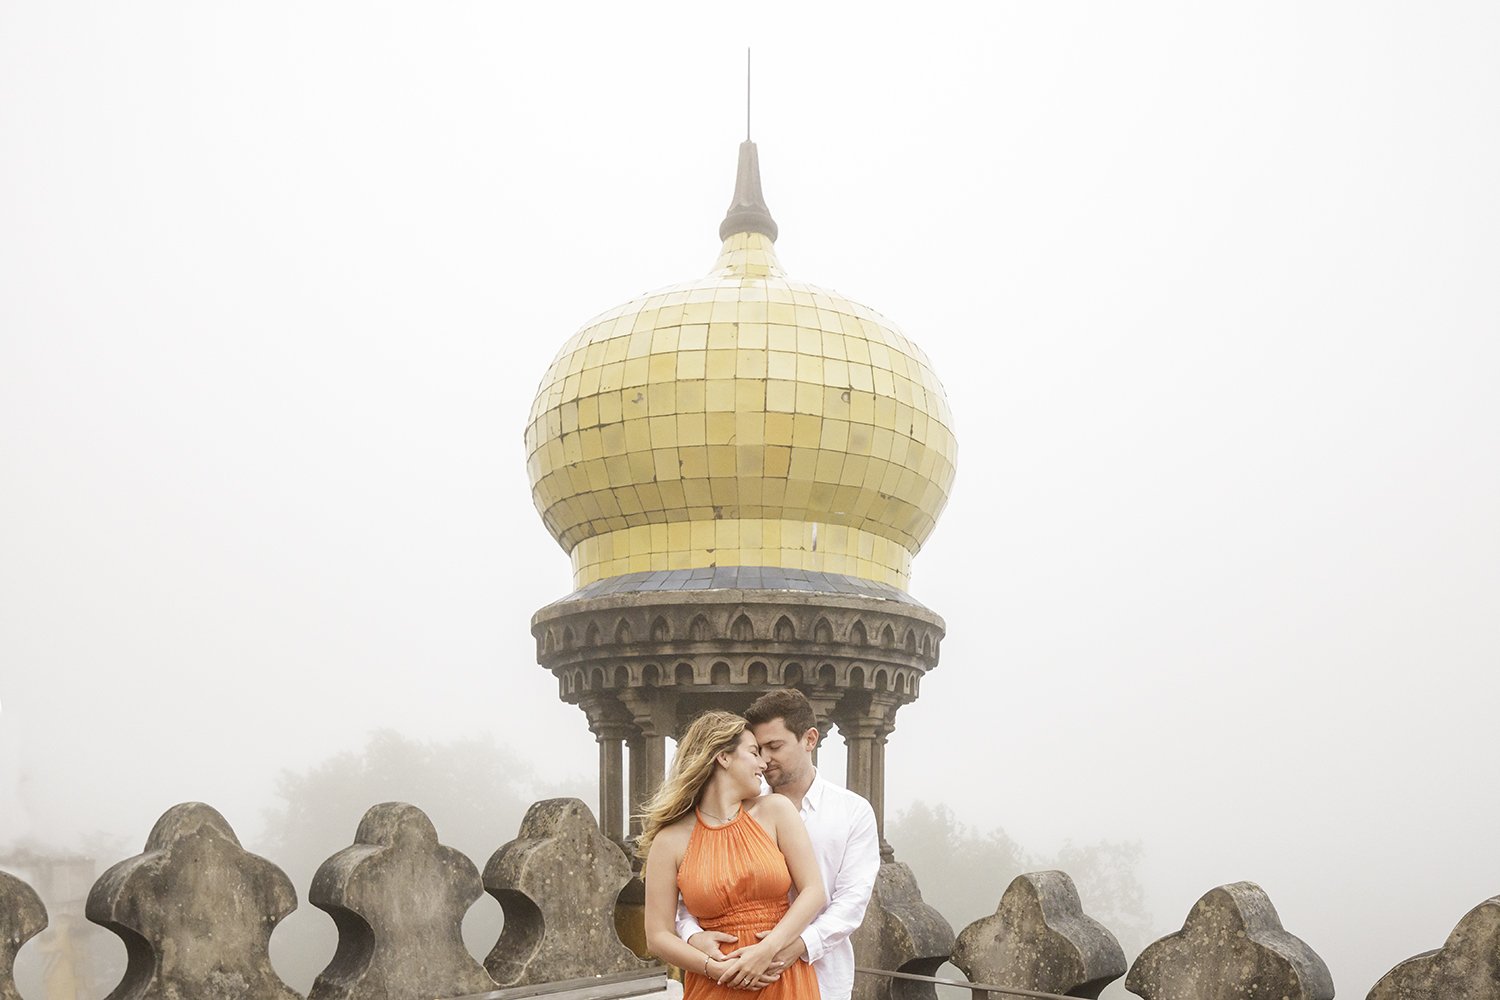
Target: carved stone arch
{"type": "Point", "coordinates": [910, 642]}
{"type": "Point", "coordinates": [856, 676]}
{"type": "Point", "coordinates": [784, 631]}
{"type": "Point", "coordinates": [741, 630]}
{"type": "Point", "coordinates": [622, 633]}
{"type": "Point", "coordinates": [882, 680]}
{"type": "Point", "coordinates": [719, 673]}
{"type": "Point", "coordinates": [596, 678]}
{"type": "Point", "coordinates": [698, 630]}
{"type": "Point", "coordinates": [620, 676]}
{"type": "Point", "coordinates": [547, 641]}
{"type": "Point", "coordinates": [823, 632]}
{"type": "Point", "coordinates": [650, 675]}
{"type": "Point", "coordinates": [660, 632]}
{"type": "Point", "coordinates": [901, 682]}
{"type": "Point", "coordinates": [926, 644]}
{"type": "Point", "coordinates": [791, 674]}
{"type": "Point", "coordinates": [757, 675]}
{"type": "Point", "coordinates": [567, 637]}
{"type": "Point", "coordinates": [575, 681]}
{"type": "Point", "coordinates": [683, 675]}
{"type": "Point", "coordinates": [888, 636]}
{"type": "Point", "coordinates": [857, 634]}
{"type": "Point", "coordinates": [827, 676]}
{"type": "Point", "coordinates": [591, 635]}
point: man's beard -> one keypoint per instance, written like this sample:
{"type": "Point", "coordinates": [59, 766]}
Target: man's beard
{"type": "Point", "coordinates": [780, 777]}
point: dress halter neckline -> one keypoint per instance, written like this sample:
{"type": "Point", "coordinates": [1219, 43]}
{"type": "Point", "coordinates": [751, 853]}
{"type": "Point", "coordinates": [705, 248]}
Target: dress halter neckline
{"type": "Point", "coordinates": [703, 823]}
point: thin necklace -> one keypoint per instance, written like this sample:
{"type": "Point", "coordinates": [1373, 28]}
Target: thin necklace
{"type": "Point", "coordinates": [721, 819]}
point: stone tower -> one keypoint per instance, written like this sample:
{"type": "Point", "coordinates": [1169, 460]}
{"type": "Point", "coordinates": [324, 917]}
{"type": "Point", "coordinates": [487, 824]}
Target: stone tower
{"type": "Point", "coordinates": [741, 468]}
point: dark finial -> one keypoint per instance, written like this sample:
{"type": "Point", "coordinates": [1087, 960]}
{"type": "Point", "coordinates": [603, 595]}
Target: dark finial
{"type": "Point", "coordinates": [748, 212]}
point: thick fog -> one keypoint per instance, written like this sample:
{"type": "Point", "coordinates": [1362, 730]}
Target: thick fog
{"type": "Point", "coordinates": [1212, 289]}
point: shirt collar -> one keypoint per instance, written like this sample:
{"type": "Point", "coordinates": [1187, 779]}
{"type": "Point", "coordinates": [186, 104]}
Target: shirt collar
{"type": "Point", "coordinates": [814, 797]}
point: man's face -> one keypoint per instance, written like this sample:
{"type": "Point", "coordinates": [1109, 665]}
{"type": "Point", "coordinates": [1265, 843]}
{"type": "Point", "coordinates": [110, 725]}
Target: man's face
{"type": "Point", "coordinates": [787, 755]}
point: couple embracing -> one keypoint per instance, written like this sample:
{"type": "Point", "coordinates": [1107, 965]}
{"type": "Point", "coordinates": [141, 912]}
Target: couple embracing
{"type": "Point", "coordinates": [746, 891]}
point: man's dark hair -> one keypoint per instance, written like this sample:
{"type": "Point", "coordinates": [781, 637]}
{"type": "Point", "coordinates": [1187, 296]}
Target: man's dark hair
{"type": "Point", "coordinates": [787, 704]}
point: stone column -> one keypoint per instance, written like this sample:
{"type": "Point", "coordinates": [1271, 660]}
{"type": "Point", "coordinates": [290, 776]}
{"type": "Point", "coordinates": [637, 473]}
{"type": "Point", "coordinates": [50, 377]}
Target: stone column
{"type": "Point", "coordinates": [866, 723]}
{"type": "Point", "coordinates": [648, 766]}
{"type": "Point", "coordinates": [822, 703]}
{"type": "Point", "coordinates": [653, 714]}
{"type": "Point", "coordinates": [610, 725]}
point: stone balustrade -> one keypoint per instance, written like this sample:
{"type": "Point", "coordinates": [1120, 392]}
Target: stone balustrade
{"type": "Point", "coordinates": [195, 912]}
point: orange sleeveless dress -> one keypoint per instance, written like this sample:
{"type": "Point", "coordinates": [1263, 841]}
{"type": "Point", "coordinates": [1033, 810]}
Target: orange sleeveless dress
{"type": "Point", "coordinates": [734, 879]}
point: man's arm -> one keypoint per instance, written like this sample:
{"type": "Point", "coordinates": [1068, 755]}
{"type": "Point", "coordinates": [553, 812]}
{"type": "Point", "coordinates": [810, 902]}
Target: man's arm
{"type": "Point", "coordinates": [687, 925]}
{"type": "Point", "coordinates": [852, 885]}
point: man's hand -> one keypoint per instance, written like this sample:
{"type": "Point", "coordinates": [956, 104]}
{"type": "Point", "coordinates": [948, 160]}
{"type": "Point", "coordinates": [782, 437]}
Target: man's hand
{"type": "Point", "coordinates": [750, 967]}
{"type": "Point", "coordinates": [784, 957]}
{"type": "Point", "coordinates": [708, 942]}
{"type": "Point", "coordinates": [791, 952]}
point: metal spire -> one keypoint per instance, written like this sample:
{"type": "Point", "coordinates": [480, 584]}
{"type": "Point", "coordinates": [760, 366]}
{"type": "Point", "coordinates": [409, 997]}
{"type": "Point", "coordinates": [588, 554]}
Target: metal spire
{"type": "Point", "coordinates": [747, 211]}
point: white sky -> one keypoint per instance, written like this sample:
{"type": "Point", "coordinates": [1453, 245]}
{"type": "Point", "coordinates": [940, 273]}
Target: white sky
{"type": "Point", "coordinates": [1212, 289]}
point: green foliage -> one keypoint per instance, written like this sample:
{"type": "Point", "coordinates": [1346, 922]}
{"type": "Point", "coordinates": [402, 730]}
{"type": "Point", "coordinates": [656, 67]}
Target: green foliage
{"type": "Point", "coordinates": [963, 871]}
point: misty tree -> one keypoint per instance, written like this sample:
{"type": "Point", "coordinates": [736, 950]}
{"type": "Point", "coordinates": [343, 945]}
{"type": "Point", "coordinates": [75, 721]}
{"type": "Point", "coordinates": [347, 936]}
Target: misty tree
{"type": "Point", "coordinates": [963, 871]}
{"type": "Point", "coordinates": [474, 790]}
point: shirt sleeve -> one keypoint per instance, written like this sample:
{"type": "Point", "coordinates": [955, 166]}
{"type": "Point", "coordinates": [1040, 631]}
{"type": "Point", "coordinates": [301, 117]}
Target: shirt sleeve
{"type": "Point", "coordinates": [687, 925]}
{"type": "Point", "coordinates": [850, 893]}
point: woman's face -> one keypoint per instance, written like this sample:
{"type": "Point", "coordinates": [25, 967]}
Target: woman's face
{"type": "Point", "coordinates": [744, 765]}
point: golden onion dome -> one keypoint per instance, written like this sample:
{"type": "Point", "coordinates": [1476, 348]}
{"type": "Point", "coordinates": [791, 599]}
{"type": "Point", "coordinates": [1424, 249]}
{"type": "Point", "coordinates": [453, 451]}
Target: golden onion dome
{"type": "Point", "coordinates": [741, 420]}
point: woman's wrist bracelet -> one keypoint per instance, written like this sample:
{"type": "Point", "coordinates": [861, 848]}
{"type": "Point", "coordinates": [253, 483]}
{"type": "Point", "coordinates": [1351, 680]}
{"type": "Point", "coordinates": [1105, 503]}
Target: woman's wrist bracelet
{"type": "Point", "coordinates": [705, 965]}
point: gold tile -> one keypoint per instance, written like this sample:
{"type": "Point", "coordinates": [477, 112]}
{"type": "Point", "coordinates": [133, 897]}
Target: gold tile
{"type": "Point", "coordinates": [637, 373]}
{"type": "Point", "coordinates": [816, 409]}
{"type": "Point", "coordinates": [692, 429]}
{"type": "Point", "coordinates": [720, 428]}
{"type": "Point", "coordinates": [750, 395]}
{"type": "Point", "coordinates": [637, 435]}
{"type": "Point", "coordinates": [778, 427]}
{"type": "Point", "coordinates": [721, 461]}
{"type": "Point", "coordinates": [661, 399]}
{"type": "Point", "coordinates": [663, 431]}
{"type": "Point", "coordinates": [750, 363]}
{"type": "Point", "coordinates": [720, 395]}
{"type": "Point", "coordinates": [749, 428]}
{"type": "Point", "coordinates": [781, 396]}
{"type": "Point", "coordinates": [692, 396]}
{"type": "Point", "coordinates": [720, 363]}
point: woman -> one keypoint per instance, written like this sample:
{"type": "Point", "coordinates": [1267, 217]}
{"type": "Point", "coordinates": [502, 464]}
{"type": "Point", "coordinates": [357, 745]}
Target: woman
{"type": "Point", "coordinates": [733, 854]}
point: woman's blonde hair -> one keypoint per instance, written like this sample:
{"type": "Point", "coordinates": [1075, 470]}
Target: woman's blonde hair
{"type": "Point", "coordinates": [709, 735]}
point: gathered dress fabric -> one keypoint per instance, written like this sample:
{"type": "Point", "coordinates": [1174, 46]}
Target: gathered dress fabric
{"type": "Point", "coordinates": [733, 878]}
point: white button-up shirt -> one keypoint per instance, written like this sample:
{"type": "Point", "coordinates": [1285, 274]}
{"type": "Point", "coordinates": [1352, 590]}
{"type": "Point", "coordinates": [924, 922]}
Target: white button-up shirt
{"type": "Point", "coordinates": [841, 826]}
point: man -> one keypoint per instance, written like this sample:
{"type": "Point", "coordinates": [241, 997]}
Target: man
{"type": "Point", "coordinates": [840, 824]}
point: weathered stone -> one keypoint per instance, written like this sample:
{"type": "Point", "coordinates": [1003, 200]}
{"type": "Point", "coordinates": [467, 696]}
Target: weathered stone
{"type": "Point", "coordinates": [900, 933]}
{"type": "Point", "coordinates": [22, 917]}
{"type": "Point", "coordinates": [1466, 966]}
{"type": "Point", "coordinates": [1231, 947]}
{"type": "Point", "coordinates": [399, 899]}
{"type": "Point", "coordinates": [558, 882]}
{"type": "Point", "coordinates": [1040, 939]}
{"type": "Point", "coordinates": [196, 912]}
{"type": "Point", "coordinates": [644, 654]}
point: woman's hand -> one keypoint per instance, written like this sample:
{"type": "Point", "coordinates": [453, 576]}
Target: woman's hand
{"type": "Point", "coordinates": [744, 967]}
